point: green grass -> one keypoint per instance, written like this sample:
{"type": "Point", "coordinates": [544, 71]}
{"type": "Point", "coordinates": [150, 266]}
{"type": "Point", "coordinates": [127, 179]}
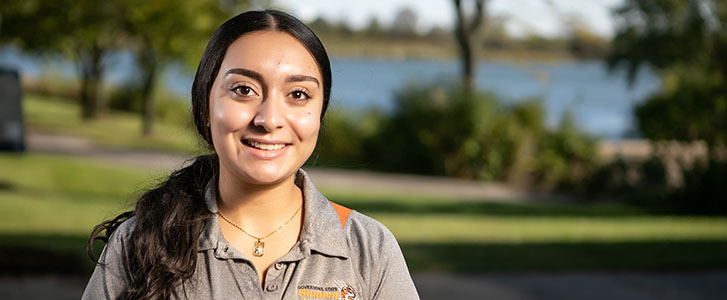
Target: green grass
{"type": "Point", "coordinates": [438, 219]}
{"type": "Point", "coordinates": [444, 234]}
{"type": "Point", "coordinates": [49, 203]}
{"type": "Point", "coordinates": [49, 194]}
{"type": "Point", "coordinates": [117, 129]}
{"type": "Point", "coordinates": [515, 230]}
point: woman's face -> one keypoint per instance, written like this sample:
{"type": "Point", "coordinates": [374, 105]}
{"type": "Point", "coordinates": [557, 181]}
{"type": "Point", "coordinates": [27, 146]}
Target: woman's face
{"type": "Point", "coordinates": [265, 107]}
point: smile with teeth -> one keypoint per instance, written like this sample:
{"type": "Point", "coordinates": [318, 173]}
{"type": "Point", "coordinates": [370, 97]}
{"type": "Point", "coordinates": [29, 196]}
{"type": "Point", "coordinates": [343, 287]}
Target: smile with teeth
{"type": "Point", "coordinates": [263, 146]}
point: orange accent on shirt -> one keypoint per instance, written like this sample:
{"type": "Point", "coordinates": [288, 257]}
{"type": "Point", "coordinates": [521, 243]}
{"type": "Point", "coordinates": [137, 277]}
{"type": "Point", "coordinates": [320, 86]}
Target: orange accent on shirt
{"type": "Point", "coordinates": [342, 212]}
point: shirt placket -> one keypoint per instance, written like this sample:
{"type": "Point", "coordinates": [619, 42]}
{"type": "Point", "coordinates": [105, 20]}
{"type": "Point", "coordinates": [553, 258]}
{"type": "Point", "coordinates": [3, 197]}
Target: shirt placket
{"type": "Point", "coordinates": [243, 273]}
{"type": "Point", "coordinates": [275, 281]}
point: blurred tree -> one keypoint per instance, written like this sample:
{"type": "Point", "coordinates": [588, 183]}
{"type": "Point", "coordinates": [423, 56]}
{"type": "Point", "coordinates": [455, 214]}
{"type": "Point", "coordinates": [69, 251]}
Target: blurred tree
{"type": "Point", "coordinates": [582, 42]}
{"type": "Point", "coordinates": [84, 30]}
{"type": "Point", "coordinates": [374, 29]}
{"type": "Point", "coordinates": [166, 30]}
{"type": "Point", "coordinates": [158, 32]}
{"type": "Point", "coordinates": [322, 27]}
{"type": "Point", "coordinates": [686, 42]}
{"type": "Point", "coordinates": [494, 35]}
{"type": "Point", "coordinates": [438, 34]}
{"type": "Point", "coordinates": [343, 28]}
{"type": "Point", "coordinates": [405, 23]}
{"type": "Point", "coordinates": [467, 31]}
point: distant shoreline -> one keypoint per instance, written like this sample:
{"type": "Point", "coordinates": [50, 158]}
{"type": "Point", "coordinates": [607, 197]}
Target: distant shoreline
{"type": "Point", "coordinates": [368, 48]}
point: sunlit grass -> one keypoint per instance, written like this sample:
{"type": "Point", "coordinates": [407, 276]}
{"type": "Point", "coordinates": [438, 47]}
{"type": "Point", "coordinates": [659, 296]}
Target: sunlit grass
{"type": "Point", "coordinates": [33, 213]}
{"type": "Point", "coordinates": [437, 219]}
{"type": "Point", "coordinates": [60, 194]}
{"type": "Point", "coordinates": [118, 129]}
{"type": "Point", "coordinates": [508, 229]}
{"type": "Point", "coordinates": [59, 174]}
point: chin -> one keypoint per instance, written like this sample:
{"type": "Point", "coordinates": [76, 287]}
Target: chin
{"type": "Point", "coordinates": [268, 175]}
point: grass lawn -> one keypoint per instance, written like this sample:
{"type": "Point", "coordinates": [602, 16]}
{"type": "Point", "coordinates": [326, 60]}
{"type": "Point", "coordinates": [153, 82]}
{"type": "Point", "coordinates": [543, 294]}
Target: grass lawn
{"type": "Point", "coordinates": [49, 203]}
{"type": "Point", "coordinates": [117, 129]}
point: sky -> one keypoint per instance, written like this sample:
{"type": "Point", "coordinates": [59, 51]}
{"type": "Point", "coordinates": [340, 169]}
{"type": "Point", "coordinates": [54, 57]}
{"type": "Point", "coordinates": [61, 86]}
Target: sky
{"type": "Point", "coordinates": [523, 17]}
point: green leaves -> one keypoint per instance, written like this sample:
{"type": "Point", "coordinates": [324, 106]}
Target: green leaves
{"type": "Point", "coordinates": [686, 42]}
{"type": "Point", "coordinates": [661, 33]}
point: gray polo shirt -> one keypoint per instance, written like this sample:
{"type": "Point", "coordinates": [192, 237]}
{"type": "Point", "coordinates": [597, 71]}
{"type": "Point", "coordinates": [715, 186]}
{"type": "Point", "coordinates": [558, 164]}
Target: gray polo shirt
{"type": "Point", "coordinates": [362, 258]}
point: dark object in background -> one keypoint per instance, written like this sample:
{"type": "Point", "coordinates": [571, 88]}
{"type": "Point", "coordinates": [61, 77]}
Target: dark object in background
{"type": "Point", "coordinates": [12, 135]}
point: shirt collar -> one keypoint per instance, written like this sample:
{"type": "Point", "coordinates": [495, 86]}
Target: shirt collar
{"type": "Point", "coordinates": [322, 231]}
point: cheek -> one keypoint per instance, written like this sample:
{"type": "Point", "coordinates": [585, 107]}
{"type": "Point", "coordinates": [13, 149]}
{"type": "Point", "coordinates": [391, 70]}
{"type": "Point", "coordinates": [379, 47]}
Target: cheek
{"type": "Point", "coordinates": [228, 115]}
{"type": "Point", "coordinates": [307, 125]}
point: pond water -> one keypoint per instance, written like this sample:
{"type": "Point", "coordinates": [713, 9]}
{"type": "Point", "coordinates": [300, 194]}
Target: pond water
{"type": "Point", "coordinates": [601, 102]}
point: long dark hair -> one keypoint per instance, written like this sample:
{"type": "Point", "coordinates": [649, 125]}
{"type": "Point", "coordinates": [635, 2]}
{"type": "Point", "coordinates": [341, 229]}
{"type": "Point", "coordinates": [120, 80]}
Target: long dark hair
{"type": "Point", "coordinates": [171, 217]}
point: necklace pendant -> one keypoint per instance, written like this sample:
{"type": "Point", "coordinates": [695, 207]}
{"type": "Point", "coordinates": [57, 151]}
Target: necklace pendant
{"type": "Point", "coordinates": [258, 249]}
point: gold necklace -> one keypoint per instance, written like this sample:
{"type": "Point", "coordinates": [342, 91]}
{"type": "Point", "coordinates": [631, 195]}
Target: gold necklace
{"type": "Point", "coordinates": [258, 249]}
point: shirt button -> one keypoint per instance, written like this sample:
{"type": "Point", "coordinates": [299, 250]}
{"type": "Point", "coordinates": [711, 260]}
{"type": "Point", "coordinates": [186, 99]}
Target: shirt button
{"type": "Point", "coordinates": [272, 287]}
{"type": "Point", "coordinates": [279, 266]}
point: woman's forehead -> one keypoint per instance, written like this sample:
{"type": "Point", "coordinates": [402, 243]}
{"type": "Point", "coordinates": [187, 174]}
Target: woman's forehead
{"type": "Point", "coordinates": [270, 52]}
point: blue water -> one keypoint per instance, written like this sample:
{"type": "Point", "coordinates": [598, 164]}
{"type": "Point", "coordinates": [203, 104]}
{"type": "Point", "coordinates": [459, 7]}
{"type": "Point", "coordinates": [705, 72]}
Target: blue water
{"type": "Point", "coordinates": [601, 102]}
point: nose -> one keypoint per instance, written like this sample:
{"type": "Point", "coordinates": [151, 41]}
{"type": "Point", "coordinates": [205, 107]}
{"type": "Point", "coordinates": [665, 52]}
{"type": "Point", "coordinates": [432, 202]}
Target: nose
{"type": "Point", "coordinates": [269, 115]}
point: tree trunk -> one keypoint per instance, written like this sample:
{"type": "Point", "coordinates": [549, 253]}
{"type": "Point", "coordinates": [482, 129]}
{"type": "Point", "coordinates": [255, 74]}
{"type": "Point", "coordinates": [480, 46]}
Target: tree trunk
{"type": "Point", "coordinates": [466, 32]}
{"type": "Point", "coordinates": [465, 50]}
{"type": "Point", "coordinates": [91, 71]}
{"type": "Point", "coordinates": [149, 67]}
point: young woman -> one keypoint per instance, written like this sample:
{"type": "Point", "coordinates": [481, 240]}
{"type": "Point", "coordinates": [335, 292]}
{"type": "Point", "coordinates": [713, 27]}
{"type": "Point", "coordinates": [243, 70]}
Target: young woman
{"type": "Point", "coordinates": [246, 222]}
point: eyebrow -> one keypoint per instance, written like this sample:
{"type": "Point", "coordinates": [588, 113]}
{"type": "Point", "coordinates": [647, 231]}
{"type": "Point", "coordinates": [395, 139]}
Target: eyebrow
{"type": "Point", "coordinates": [259, 77]}
{"type": "Point", "coordinates": [245, 72]}
{"type": "Point", "coordinates": [299, 78]}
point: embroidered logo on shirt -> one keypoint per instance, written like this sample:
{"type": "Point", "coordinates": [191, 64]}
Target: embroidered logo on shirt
{"type": "Point", "coordinates": [309, 291]}
{"type": "Point", "coordinates": [347, 292]}
{"type": "Point", "coordinates": [342, 291]}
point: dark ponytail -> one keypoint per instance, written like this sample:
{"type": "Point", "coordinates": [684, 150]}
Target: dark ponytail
{"type": "Point", "coordinates": [171, 217]}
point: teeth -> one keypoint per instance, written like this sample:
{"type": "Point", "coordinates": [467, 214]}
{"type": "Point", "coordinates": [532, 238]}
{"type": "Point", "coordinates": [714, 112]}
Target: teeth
{"type": "Point", "coordinates": [265, 146]}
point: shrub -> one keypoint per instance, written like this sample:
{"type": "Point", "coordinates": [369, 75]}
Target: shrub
{"type": "Point", "coordinates": [340, 141]}
{"type": "Point", "coordinates": [692, 106]}
{"type": "Point", "coordinates": [678, 178]}
{"type": "Point", "coordinates": [703, 192]}
{"type": "Point", "coordinates": [440, 130]}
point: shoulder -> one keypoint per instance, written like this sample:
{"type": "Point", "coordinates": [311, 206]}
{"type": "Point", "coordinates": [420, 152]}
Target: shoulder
{"type": "Point", "coordinates": [370, 242]}
{"type": "Point", "coordinates": [119, 239]}
{"type": "Point", "coordinates": [367, 230]}
{"type": "Point", "coordinates": [376, 253]}
{"type": "Point", "coordinates": [110, 277]}
{"type": "Point", "coordinates": [125, 229]}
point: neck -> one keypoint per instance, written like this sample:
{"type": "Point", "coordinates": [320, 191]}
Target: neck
{"type": "Point", "coordinates": [257, 207]}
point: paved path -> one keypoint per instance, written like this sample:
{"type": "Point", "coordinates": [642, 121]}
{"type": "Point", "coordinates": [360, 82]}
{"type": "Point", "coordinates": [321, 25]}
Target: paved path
{"type": "Point", "coordinates": [443, 186]}
{"type": "Point", "coordinates": [340, 179]}
{"type": "Point", "coordinates": [498, 286]}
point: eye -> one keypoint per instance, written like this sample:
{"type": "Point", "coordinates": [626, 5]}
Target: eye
{"type": "Point", "coordinates": [243, 91]}
{"type": "Point", "coordinates": [299, 95]}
